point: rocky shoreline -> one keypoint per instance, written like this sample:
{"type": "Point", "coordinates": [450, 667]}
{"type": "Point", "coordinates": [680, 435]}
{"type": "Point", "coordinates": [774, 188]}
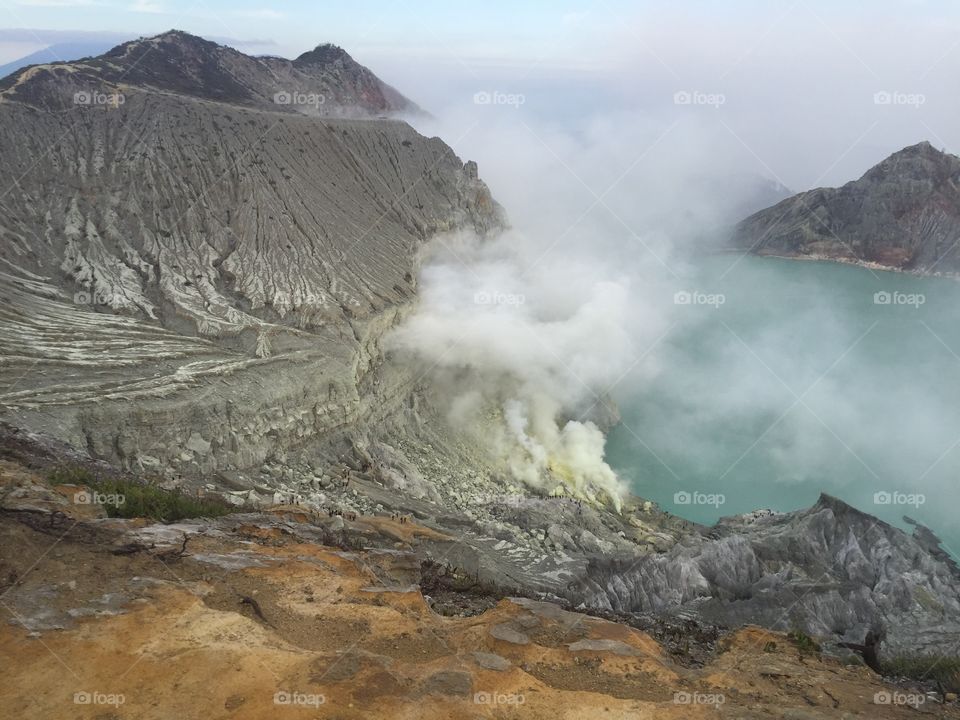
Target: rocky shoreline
{"type": "Point", "coordinates": [843, 260]}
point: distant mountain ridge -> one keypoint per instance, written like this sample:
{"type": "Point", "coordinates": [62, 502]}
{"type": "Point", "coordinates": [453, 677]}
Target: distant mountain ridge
{"type": "Point", "coordinates": [324, 82]}
{"type": "Point", "coordinates": [903, 213]}
{"type": "Point", "coordinates": [57, 52]}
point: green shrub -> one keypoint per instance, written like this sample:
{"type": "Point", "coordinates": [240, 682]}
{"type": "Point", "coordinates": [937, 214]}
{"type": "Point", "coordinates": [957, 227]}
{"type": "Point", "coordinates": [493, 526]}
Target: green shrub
{"type": "Point", "coordinates": [803, 642]}
{"type": "Point", "coordinates": [943, 669]}
{"type": "Point", "coordinates": [128, 498]}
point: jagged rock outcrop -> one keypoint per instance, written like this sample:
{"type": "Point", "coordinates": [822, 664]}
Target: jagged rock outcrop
{"type": "Point", "coordinates": [904, 213]}
{"type": "Point", "coordinates": [831, 571]}
{"type": "Point", "coordinates": [187, 265]}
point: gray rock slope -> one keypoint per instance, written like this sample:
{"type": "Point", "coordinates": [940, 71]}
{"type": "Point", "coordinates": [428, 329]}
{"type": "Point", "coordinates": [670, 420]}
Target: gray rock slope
{"type": "Point", "coordinates": [194, 282]}
{"type": "Point", "coordinates": [830, 570]}
{"type": "Point", "coordinates": [904, 213]}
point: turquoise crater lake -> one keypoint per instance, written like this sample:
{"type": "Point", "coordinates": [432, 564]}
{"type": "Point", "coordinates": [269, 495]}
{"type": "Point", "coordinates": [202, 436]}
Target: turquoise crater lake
{"type": "Point", "coordinates": [803, 377]}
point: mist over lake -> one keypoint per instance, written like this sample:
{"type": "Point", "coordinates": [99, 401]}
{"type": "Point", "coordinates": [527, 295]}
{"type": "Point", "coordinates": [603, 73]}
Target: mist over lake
{"type": "Point", "coordinates": [781, 379]}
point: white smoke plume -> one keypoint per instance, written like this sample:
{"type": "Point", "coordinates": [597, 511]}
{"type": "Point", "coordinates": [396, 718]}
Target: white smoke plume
{"type": "Point", "coordinates": [527, 333]}
{"type": "Point", "coordinates": [526, 349]}
{"type": "Point", "coordinates": [646, 181]}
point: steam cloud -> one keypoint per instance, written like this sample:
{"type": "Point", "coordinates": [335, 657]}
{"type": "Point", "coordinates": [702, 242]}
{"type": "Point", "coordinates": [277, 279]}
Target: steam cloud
{"type": "Point", "coordinates": [526, 333]}
{"type": "Point", "coordinates": [525, 349]}
{"type": "Point", "coordinates": [609, 211]}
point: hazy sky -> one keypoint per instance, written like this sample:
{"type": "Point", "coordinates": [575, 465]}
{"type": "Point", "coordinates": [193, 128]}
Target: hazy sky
{"type": "Point", "coordinates": [792, 86]}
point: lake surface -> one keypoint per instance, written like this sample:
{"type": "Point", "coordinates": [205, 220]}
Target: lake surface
{"type": "Point", "coordinates": [797, 378]}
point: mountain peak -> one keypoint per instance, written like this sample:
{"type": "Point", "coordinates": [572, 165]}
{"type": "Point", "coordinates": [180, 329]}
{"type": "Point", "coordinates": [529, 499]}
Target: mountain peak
{"type": "Point", "coordinates": [921, 149]}
{"type": "Point", "coordinates": [325, 81]}
{"type": "Point", "coordinates": [165, 41]}
{"type": "Point", "coordinates": [903, 213]}
{"type": "Point", "coordinates": [324, 54]}
{"type": "Point", "coordinates": [922, 146]}
{"type": "Point", "coordinates": [180, 35]}
{"type": "Point", "coordinates": [919, 162]}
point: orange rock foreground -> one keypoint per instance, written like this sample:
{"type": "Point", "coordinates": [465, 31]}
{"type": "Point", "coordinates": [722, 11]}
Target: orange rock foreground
{"type": "Point", "coordinates": [251, 623]}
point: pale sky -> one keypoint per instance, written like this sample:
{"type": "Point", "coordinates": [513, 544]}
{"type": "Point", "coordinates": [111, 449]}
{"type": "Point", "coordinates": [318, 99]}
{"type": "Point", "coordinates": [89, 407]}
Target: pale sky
{"type": "Point", "coordinates": [798, 81]}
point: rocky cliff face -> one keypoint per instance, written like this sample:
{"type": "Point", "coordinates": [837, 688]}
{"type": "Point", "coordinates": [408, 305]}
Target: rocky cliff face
{"type": "Point", "coordinates": [831, 570]}
{"type": "Point", "coordinates": [903, 213]}
{"type": "Point", "coordinates": [171, 239]}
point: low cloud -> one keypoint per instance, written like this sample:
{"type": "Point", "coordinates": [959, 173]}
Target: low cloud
{"type": "Point", "coordinates": [523, 351]}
